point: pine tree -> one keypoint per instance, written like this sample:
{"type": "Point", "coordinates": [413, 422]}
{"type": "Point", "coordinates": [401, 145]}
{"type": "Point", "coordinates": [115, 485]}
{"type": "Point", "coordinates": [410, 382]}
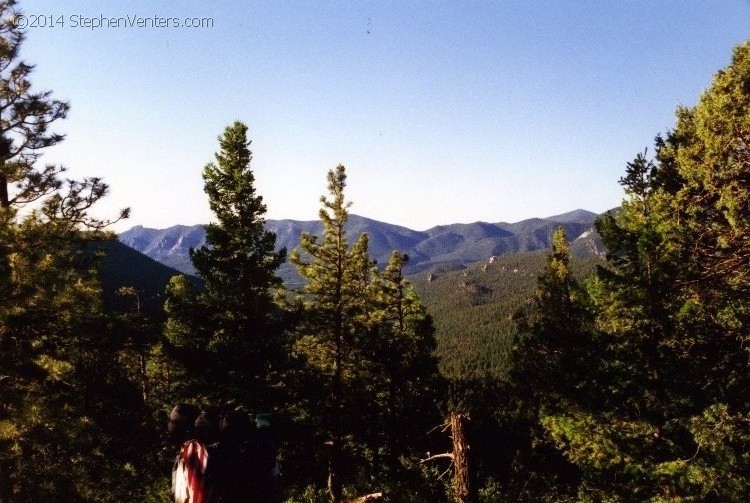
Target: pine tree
{"type": "Point", "coordinates": [335, 307]}
{"type": "Point", "coordinates": [554, 330]}
{"type": "Point", "coordinates": [241, 345]}
{"type": "Point", "coordinates": [186, 337]}
{"type": "Point", "coordinates": [672, 316]}
{"type": "Point", "coordinates": [552, 361]}
{"type": "Point", "coordinates": [57, 364]}
{"type": "Point", "coordinates": [408, 385]}
{"type": "Point", "coordinates": [24, 120]}
{"type": "Point", "coordinates": [707, 162]}
{"type": "Point", "coordinates": [368, 344]}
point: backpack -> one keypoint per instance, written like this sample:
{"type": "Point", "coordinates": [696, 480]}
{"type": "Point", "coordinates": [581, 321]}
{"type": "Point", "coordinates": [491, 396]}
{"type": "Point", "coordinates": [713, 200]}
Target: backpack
{"type": "Point", "coordinates": [243, 461]}
{"type": "Point", "coordinates": [190, 481]}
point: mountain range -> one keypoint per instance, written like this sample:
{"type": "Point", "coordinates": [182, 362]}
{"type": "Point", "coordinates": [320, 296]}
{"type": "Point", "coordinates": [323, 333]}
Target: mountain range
{"type": "Point", "coordinates": [441, 248]}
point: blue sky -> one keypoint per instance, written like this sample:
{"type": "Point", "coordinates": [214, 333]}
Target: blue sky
{"type": "Point", "coordinates": [441, 111]}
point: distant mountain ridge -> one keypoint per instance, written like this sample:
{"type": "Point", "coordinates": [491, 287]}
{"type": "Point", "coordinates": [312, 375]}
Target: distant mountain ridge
{"type": "Point", "coordinates": [170, 246]}
{"type": "Point", "coordinates": [442, 247]}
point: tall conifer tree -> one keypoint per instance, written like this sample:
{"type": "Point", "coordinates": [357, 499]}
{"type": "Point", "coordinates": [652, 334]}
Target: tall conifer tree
{"type": "Point", "coordinates": [58, 368]}
{"type": "Point", "coordinates": [672, 316]}
{"type": "Point", "coordinates": [551, 366]}
{"type": "Point", "coordinates": [335, 304]}
{"type": "Point", "coordinates": [554, 332]}
{"type": "Point", "coordinates": [238, 266]}
{"type": "Point", "coordinates": [368, 340]}
{"type": "Point", "coordinates": [408, 386]}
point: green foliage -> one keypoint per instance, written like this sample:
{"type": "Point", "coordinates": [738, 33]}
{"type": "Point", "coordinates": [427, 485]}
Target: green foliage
{"type": "Point", "coordinates": [547, 361]}
{"type": "Point", "coordinates": [72, 417]}
{"type": "Point", "coordinates": [639, 379]}
{"type": "Point", "coordinates": [185, 341]}
{"type": "Point", "coordinates": [24, 121]}
{"type": "Point", "coordinates": [629, 386]}
{"type": "Point", "coordinates": [553, 344]}
{"type": "Point", "coordinates": [672, 317]}
{"type": "Point", "coordinates": [367, 344]}
{"type": "Point", "coordinates": [225, 337]}
{"type": "Point", "coordinates": [474, 310]}
{"type": "Point", "coordinates": [335, 322]}
{"type": "Point", "coordinates": [403, 380]}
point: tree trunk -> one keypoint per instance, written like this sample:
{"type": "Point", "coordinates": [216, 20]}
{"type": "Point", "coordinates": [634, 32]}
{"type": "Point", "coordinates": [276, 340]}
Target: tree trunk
{"type": "Point", "coordinates": [463, 487]}
{"type": "Point", "coordinates": [335, 488]}
{"type": "Point", "coordinates": [4, 196]}
{"type": "Point", "coordinates": [334, 463]}
{"type": "Point", "coordinates": [144, 376]}
{"type": "Point", "coordinates": [4, 155]}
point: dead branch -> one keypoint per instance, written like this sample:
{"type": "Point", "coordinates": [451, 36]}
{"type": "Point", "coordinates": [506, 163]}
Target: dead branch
{"type": "Point", "coordinates": [442, 427]}
{"type": "Point", "coordinates": [448, 455]}
{"type": "Point", "coordinates": [366, 498]}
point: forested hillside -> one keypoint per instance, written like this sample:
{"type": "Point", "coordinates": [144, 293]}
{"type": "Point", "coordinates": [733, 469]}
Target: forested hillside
{"type": "Point", "coordinates": [474, 308]}
{"type": "Point", "coordinates": [121, 266]}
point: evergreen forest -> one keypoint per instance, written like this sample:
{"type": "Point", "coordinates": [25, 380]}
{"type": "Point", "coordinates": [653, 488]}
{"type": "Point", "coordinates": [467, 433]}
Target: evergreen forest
{"type": "Point", "coordinates": [538, 377]}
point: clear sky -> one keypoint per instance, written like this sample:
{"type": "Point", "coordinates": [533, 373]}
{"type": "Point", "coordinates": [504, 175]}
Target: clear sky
{"type": "Point", "coordinates": [441, 111]}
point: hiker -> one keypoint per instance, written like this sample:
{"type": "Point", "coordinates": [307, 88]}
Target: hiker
{"type": "Point", "coordinates": [189, 475]}
{"type": "Point", "coordinates": [242, 461]}
{"type": "Point", "coordinates": [233, 468]}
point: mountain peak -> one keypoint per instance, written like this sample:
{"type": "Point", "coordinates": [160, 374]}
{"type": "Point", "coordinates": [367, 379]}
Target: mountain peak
{"type": "Point", "coordinates": [580, 216]}
{"type": "Point", "coordinates": [452, 245]}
